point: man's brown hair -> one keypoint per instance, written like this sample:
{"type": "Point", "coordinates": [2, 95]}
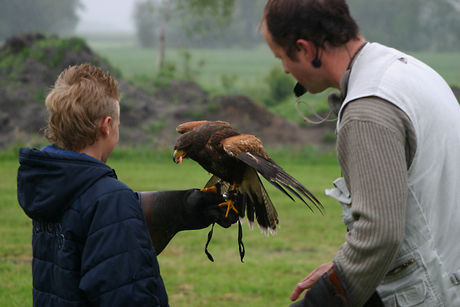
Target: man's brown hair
{"type": "Point", "coordinates": [317, 21]}
{"type": "Point", "coordinates": [82, 96]}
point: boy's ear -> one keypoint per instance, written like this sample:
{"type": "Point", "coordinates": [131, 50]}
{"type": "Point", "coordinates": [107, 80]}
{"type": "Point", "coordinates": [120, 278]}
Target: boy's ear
{"type": "Point", "coordinates": [105, 126]}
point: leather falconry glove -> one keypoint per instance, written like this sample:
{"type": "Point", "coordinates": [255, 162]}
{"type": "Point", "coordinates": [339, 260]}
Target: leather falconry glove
{"type": "Point", "coordinates": [329, 291]}
{"type": "Point", "coordinates": [168, 212]}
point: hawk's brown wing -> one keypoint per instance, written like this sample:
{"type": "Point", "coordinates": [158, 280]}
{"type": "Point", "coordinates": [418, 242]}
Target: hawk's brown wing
{"type": "Point", "coordinates": [248, 149]}
{"type": "Point", "coordinates": [186, 127]}
{"type": "Point", "coordinates": [237, 144]}
{"type": "Point", "coordinates": [259, 201]}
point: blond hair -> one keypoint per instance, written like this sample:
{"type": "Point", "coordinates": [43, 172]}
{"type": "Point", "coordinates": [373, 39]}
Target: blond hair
{"type": "Point", "coordinates": [81, 97]}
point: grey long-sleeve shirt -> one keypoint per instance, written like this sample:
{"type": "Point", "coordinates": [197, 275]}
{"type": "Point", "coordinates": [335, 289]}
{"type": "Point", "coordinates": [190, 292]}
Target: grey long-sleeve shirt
{"type": "Point", "coordinates": [375, 148]}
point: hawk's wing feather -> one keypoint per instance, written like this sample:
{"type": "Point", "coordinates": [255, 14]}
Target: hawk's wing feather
{"type": "Point", "coordinates": [188, 126]}
{"type": "Point", "coordinates": [275, 174]}
{"type": "Point", "coordinates": [237, 144]}
{"type": "Point", "coordinates": [289, 180]}
{"type": "Point", "coordinates": [250, 150]}
{"type": "Point", "coordinates": [278, 186]}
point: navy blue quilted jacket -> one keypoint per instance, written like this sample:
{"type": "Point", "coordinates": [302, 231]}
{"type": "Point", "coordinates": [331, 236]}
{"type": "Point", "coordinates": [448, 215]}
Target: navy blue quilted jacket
{"type": "Point", "coordinates": [90, 241]}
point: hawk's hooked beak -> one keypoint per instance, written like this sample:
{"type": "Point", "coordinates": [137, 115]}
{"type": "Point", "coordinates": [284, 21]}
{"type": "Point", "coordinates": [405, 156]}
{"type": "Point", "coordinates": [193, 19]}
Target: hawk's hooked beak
{"type": "Point", "coordinates": [178, 156]}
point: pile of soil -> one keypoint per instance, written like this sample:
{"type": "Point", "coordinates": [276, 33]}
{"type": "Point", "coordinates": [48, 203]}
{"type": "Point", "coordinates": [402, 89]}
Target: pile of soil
{"type": "Point", "coordinates": [31, 62]}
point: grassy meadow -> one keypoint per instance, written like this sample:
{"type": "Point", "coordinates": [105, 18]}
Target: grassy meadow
{"type": "Point", "coordinates": [271, 268]}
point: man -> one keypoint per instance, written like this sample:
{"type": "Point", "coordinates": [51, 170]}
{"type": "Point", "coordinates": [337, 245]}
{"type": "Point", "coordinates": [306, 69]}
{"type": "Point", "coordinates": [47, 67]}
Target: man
{"type": "Point", "coordinates": [91, 243]}
{"type": "Point", "coordinates": [398, 146]}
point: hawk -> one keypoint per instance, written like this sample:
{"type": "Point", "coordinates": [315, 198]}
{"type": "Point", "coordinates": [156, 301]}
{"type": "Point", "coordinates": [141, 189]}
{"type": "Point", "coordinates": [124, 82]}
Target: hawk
{"type": "Point", "coordinates": [237, 160]}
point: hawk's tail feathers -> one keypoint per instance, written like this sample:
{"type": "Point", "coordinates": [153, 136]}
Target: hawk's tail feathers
{"type": "Point", "coordinates": [266, 215]}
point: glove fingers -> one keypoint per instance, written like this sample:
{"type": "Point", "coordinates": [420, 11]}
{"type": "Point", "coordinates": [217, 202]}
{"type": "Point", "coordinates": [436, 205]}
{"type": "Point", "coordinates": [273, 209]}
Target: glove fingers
{"type": "Point", "coordinates": [203, 208]}
{"type": "Point", "coordinates": [217, 215]}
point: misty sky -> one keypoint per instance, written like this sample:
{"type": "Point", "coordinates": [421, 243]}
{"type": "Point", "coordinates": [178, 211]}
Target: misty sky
{"type": "Point", "coordinates": [106, 16]}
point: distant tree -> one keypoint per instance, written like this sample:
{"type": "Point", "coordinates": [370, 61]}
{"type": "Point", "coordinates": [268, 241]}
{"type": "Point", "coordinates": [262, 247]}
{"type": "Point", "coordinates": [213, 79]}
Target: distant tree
{"type": "Point", "coordinates": [238, 29]}
{"type": "Point", "coordinates": [209, 14]}
{"type": "Point", "coordinates": [145, 20]}
{"type": "Point", "coordinates": [250, 13]}
{"type": "Point", "coordinates": [455, 3]}
{"type": "Point", "coordinates": [412, 25]}
{"type": "Point", "coordinates": [51, 16]}
{"type": "Point", "coordinates": [440, 26]}
{"type": "Point", "coordinates": [164, 12]}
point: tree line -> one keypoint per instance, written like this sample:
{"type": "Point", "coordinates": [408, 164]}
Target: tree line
{"type": "Point", "coordinates": [410, 25]}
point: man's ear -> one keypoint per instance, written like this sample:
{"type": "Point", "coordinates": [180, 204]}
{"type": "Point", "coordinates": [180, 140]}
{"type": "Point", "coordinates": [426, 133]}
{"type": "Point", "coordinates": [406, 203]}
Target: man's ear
{"type": "Point", "coordinates": [105, 126]}
{"type": "Point", "coordinates": [306, 49]}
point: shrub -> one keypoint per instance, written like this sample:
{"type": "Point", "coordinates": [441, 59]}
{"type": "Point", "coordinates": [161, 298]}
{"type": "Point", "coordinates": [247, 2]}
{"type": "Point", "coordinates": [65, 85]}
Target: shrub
{"type": "Point", "coordinates": [228, 81]}
{"type": "Point", "coordinates": [280, 86]}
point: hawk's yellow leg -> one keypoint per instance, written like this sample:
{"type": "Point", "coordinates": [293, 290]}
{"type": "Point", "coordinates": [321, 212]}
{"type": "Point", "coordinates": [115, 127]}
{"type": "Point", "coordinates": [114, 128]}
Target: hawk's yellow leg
{"type": "Point", "coordinates": [212, 189]}
{"type": "Point", "coordinates": [229, 204]}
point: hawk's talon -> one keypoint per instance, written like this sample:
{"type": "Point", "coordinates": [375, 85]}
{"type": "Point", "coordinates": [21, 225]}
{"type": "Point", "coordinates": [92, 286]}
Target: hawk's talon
{"type": "Point", "coordinates": [229, 204]}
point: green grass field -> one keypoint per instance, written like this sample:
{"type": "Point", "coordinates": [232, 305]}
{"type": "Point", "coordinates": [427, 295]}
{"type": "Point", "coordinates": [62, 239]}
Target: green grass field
{"type": "Point", "coordinates": [272, 266]}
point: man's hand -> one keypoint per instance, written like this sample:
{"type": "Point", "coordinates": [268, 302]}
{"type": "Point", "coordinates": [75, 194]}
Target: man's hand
{"type": "Point", "coordinates": [324, 289]}
{"type": "Point", "coordinates": [310, 280]}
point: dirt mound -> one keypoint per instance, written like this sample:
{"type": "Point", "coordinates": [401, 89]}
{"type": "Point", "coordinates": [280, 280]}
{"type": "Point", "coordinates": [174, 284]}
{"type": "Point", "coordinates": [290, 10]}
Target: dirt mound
{"type": "Point", "coordinates": [30, 63]}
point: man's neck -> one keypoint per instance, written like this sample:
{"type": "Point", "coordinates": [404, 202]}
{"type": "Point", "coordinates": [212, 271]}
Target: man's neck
{"type": "Point", "coordinates": [339, 59]}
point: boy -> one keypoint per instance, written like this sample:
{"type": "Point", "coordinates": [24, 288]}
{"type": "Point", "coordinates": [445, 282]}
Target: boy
{"type": "Point", "coordinates": [91, 243]}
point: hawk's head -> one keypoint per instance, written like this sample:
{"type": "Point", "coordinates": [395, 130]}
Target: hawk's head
{"type": "Point", "coordinates": [188, 145]}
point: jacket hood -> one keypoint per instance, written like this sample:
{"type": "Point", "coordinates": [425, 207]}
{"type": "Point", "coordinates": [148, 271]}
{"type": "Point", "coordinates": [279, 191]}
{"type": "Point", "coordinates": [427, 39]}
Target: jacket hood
{"type": "Point", "coordinates": [50, 180]}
